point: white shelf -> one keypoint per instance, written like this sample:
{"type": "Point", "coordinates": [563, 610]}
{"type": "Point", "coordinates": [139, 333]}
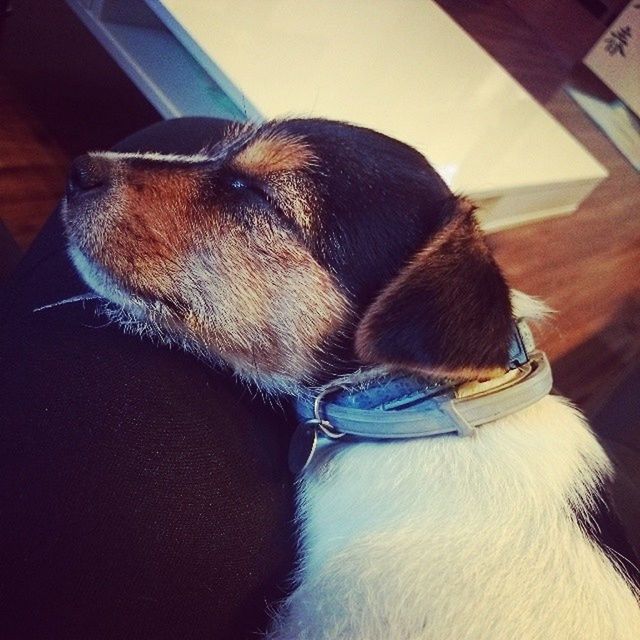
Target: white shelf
{"type": "Point", "coordinates": [403, 68]}
{"type": "Point", "coordinates": [168, 75]}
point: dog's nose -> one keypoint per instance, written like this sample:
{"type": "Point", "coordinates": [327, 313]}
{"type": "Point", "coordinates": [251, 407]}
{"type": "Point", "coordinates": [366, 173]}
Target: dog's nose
{"type": "Point", "coordinates": [88, 174]}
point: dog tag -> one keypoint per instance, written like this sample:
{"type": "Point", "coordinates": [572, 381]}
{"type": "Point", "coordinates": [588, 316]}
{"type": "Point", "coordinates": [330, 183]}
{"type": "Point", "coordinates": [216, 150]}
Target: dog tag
{"type": "Point", "coordinates": [302, 447]}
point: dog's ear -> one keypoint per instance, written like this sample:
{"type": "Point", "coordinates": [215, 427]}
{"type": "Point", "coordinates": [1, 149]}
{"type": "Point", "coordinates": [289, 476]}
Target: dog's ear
{"type": "Point", "coordinates": [447, 313]}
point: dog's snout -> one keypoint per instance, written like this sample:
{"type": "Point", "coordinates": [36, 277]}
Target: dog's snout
{"type": "Point", "coordinates": [88, 174]}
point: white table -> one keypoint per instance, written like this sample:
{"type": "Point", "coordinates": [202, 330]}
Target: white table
{"type": "Point", "coordinates": [402, 67]}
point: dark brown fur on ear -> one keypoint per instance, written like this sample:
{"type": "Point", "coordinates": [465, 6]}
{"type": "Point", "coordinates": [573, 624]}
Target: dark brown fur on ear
{"type": "Point", "coordinates": [448, 312]}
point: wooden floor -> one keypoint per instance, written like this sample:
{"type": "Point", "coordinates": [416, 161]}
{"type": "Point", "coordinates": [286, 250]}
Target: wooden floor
{"type": "Point", "coordinates": [32, 168]}
{"type": "Point", "coordinates": [587, 265]}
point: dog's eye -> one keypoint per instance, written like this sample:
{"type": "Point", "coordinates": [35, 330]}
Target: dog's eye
{"type": "Point", "coordinates": [242, 185]}
{"type": "Point", "coordinates": [239, 183]}
{"type": "Point", "coordinates": [253, 192]}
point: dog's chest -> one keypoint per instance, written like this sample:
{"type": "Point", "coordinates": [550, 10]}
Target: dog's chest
{"type": "Point", "coordinates": [459, 538]}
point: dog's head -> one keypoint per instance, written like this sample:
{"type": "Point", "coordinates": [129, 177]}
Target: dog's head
{"type": "Point", "coordinates": [293, 251]}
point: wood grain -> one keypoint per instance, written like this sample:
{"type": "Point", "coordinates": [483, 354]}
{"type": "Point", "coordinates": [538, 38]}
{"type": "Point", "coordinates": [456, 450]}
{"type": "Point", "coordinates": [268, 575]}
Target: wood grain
{"type": "Point", "coordinates": [33, 168]}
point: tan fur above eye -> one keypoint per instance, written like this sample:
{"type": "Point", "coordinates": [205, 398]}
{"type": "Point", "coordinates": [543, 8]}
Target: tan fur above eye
{"type": "Point", "coordinates": [274, 153]}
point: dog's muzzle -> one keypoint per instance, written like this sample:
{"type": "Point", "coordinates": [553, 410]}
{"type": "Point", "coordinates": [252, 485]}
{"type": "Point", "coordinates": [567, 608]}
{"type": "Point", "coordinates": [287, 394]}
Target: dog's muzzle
{"type": "Point", "coordinates": [88, 176]}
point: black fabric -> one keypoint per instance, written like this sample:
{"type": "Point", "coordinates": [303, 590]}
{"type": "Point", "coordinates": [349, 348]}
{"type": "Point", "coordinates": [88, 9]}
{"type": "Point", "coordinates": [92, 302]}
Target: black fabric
{"type": "Point", "coordinates": [9, 253]}
{"type": "Point", "coordinates": [617, 423]}
{"type": "Point", "coordinates": [143, 495]}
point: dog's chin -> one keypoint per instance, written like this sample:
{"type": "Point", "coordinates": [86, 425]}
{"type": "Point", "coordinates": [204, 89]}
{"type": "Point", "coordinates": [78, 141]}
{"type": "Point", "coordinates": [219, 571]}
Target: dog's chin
{"type": "Point", "coordinates": [134, 313]}
{"type": "Point", "coordinates": [152, 319]}
{"type": "Point", "coordinates": [104, 285]}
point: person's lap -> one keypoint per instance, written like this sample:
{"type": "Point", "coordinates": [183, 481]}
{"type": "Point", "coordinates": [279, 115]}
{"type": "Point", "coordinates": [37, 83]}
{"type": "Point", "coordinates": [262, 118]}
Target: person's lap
{"type": "Point", "coordinates": [143, 494]}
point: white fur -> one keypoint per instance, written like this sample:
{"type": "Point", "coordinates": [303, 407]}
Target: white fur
{"type": "Point", "coordinates": [97, 279]}
{"type": "Point", "coordinates": [151, 155]}
{"type": "Point", "coordinates": [459, 538]}
{"type": "Point", "coordinates": [529, 307]}
{"type": "Point", "coordinates": [452, 538]}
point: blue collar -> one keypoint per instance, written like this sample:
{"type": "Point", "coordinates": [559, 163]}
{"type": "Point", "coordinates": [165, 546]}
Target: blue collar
{"type": "Point", "coordinates": [371, 405]}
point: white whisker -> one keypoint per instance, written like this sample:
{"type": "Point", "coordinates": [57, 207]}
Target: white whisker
{"type": "Point", "coordinates": [80, 298]}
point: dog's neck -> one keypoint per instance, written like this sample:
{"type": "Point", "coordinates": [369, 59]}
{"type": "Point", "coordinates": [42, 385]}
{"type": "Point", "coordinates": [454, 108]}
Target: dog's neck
{"type": "Point", "coordinates": [375, 404]}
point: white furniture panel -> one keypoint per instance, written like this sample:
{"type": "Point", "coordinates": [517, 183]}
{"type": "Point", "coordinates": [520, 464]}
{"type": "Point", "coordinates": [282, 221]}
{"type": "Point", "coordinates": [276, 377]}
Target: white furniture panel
{"type": "Point", "coordinates": [401, 67]}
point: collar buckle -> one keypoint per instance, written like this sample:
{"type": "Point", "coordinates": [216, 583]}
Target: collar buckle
{"type": "Point", "coordinates": [377, 406]}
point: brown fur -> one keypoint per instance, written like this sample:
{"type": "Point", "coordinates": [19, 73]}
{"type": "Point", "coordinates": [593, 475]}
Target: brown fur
{"type": "Point", "coordinates": [434, 295]}
{"type": "Point", "coordinates": [222, 255]}
{"type": "Point", "coordinates": [270, 305]}
{"type": "Point", "coordinates": [131, 238]}
{"type": "Point", "coordinates": [274, 153]}
{"type": "Point", "coordinates": [256, 297]}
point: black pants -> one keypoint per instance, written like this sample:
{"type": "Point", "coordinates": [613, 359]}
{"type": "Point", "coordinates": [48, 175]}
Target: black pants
{"type": "Point", "coordinates": [142, 495]}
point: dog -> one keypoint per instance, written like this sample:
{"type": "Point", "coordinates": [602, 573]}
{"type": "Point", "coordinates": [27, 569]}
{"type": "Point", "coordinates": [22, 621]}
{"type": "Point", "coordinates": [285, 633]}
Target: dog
{"type": "Point", "coordinates": [317, 259]}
